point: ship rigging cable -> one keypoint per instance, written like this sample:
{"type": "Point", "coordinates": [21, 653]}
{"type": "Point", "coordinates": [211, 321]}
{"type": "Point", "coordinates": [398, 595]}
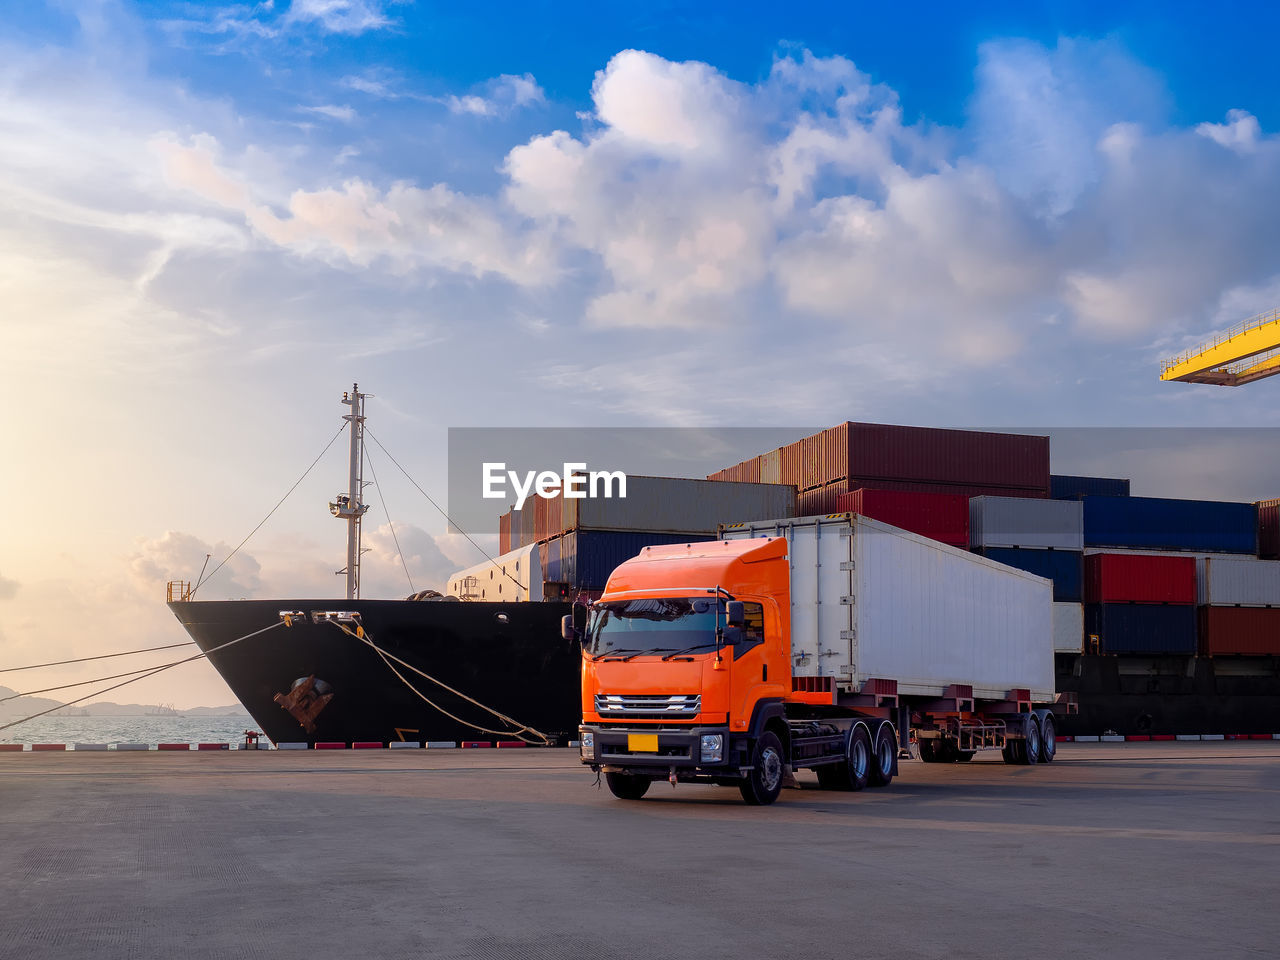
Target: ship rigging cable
{"type": "Point", "coordinates": [149, 673]}
{"type": "Point", "coordinates": [269, 513]}
{"type": "Point", "coordinates": [388, 657]}
{"type": "Point", "coordinates": [441, 509]}
{"type": "Point", "coordinates": [101, 656]}
{"type": "Point", "coordinates": [383, 500]}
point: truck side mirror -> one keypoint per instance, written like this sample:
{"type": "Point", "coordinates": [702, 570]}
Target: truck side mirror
{"type": "Point", "coordinates": [731, 635]}
{"type": "Point", "coordinates": [566, 627]}
{"type": "Point", "coordinates": [736, 614]}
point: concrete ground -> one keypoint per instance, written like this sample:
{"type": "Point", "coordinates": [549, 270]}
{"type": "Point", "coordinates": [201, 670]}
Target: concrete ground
{"type": "Point", "coordinates": [1158, 850]}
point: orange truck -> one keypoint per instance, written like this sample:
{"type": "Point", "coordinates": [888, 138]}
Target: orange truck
{"type": "Point", "coordinates": [817, 642]}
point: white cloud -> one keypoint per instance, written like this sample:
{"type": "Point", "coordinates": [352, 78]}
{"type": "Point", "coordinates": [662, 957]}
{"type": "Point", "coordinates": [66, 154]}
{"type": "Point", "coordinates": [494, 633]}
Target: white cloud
{"type": "Point", "coordinates": [498, 96]}
{"type": "Point", "coordinates": [334, 112]}
{"type": "Point", "coordinates": [340, 16]}
{"type": "Point", "coordinates": [1240, 133]}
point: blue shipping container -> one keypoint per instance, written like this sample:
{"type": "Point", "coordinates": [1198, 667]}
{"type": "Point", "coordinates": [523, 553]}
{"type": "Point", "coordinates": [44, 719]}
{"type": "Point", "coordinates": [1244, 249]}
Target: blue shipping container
{"type": "Point", "coordinates": [585, 558]}
{"type": "Point", "coordinates": [1151, 523]}
{"type": "Point", "coordinates": [1152, 628]}
{"type": "Point", "coordinates": [1062, 487]}
{"type": "Point", "coordinates": [1064, 567]}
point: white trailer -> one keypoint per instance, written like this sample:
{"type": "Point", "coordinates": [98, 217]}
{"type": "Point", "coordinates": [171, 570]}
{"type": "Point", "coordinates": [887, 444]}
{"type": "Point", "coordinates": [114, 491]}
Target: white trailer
{"type": "Point", "coordinates": [951, 645]}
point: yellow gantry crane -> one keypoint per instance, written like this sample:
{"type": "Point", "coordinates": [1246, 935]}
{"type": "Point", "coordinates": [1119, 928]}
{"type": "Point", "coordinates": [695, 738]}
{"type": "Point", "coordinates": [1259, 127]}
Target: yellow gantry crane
{"type": "Point", "coordinates": [1248, 351]}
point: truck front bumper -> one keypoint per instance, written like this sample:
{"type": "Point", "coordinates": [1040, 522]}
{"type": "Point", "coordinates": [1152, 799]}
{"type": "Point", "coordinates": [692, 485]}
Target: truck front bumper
{"type": "Point", "coordinates": [633, 749]}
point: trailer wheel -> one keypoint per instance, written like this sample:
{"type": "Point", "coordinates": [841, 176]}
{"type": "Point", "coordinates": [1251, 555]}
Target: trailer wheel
{"type": "Point", "coordinates": [1012, 751]}
{"type": "Point", "coordinates": [931, 750]}
{"type": "Point", "coordinates": [886, 751]}
{"type": "Point", "coordinates": [1030, 752]}
{"type": "Point", "coordinates": [764, 782]}
{"type": "Point", "coordinates": [1048, 739]}
{"type": "Point", "coordinates": [960, 756]}
{"type": "Point", "coordinates": [625, 786]}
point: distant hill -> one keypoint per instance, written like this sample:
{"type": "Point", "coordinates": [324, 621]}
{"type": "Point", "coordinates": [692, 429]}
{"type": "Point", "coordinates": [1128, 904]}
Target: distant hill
{"type": "Point", "coordinates": [25, 706]}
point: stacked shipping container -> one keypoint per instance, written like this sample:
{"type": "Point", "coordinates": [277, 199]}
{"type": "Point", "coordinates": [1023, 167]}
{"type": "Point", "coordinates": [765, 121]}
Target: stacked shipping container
{"type": "Point", "coordinates": [852, 456]}
{"type": "Point", "coordinates": [1138, 604]}
{"type": "Point", "coordinates": [580, 541]}
{"type": "Point", "coordinates": [1269, 529]}
{"type": "Point", "coordinates": [1044, 537]}
{"type": "Point", "coordinates": [1063, 487]}
{"type": "Point", "coordinates": [940, 516]}
{"type": "Point", "coordinates": [1152, 523]}
{"type": "Point", "coordinates": [1240, 606]}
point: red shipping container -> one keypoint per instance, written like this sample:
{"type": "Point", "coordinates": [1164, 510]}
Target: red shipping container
{"type": "Point", "coordinates": [1137, 578]}
{"type": "Point", "coordinates": [1269, 529]}
{"type": "Point", "coordinates": [1247, 631]}
{"type": "Point", "coordinates": [504, 533]}
{"type": "Point", "coordinates": [958, 489]}
{"type": "Point", "coordinates": [930, 454]}
{"type": "Point", "coordinates": [939, 516]}
{"type": "Point", "coordinates": [751, 470]}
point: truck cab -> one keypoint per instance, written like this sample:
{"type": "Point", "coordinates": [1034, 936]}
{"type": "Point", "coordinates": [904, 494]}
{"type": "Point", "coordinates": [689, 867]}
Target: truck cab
{"type": "Point", "coordinates": [686, 677]}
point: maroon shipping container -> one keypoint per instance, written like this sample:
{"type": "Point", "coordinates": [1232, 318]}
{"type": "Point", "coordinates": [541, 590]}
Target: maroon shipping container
{"type": "Point", "coordinates": [1137, 578]}
{"type": "Point", "coordinates": [958, 489]}
{"type": "Point", "coordinates": [1242, 631]}
{"type": "Point", "coordinates": [939, 516]}
{"type": "Point", "coordinates": [934, 455]}
{"type": "Point", "coordinates": [504, 533]}
{"type": "Point", "coordinates": [1269, 529]}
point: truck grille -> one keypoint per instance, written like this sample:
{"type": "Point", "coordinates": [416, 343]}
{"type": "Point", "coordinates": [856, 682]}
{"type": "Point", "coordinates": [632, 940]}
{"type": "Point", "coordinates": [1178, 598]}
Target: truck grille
{"type": "Point", "coordinates": [644, 705]}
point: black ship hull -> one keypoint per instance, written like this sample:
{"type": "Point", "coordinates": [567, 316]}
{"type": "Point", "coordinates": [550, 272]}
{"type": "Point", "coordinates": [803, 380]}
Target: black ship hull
{"type": "Point", "coordinates": [509, 657]}
{"type": "Point", "coordinates": [1145, 695]}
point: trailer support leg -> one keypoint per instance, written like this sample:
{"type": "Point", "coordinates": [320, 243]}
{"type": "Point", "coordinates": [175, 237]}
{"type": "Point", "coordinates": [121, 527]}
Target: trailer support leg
{"type": "Point", "coordinates": [904, 733]}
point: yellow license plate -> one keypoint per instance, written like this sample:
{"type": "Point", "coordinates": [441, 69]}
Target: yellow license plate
{"type": "Point", "coordinates": [642, 742]}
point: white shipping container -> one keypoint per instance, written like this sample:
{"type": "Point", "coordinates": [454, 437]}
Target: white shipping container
{"type": "Point", "coordinates": [1068, 627]}
{"type": "Point", "coordinates": [1227, 581]}
{"type": "Point", "coordinates": [679, 505]}
{"type": "Point", "coordinates": [1026, 522]}
{"type": "Point", "coordinates": [869, 600]}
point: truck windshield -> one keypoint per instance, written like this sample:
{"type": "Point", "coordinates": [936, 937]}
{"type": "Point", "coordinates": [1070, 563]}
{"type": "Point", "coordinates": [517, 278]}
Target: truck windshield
{"type": "Point", "coordinates": [659, 625]}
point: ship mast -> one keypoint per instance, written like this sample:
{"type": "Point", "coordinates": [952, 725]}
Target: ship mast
{"type": "Point", "coordinates": [349, 506]}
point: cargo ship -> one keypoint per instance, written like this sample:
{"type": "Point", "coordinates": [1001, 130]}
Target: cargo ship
{"type": "Point", "coordinates": [426, 668]}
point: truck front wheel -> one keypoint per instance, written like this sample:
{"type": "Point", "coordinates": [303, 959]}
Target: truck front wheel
{"type": "Point", "coordinates": [764, 782]}
{"type": "Point", "coordinates": [624, 786]}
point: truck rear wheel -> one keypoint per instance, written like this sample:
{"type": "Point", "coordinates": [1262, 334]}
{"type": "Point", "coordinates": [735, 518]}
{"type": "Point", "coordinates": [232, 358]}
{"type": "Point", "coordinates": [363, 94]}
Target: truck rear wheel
{"type": "Point", "coordinates": [883, 756]}
{"type": "Point", "coordinates": [1048, 739]}
{"type": "Point", "coordinates": [764, 782]}
{"type": "Point", "coordinates": [624, 786]}
{"type": "Point", "coordinates": [855, 771]}
{"type": "Point", "coordinates": [1030, 752]}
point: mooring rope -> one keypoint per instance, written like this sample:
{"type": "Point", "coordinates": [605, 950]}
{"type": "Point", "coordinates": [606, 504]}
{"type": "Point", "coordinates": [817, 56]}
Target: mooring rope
{"type": "Point", "coordinates": [102, 656]}
{"type": "Point", "coordinates": [151, 672]}
{"type": "Point", "coordinates": [387, 657]}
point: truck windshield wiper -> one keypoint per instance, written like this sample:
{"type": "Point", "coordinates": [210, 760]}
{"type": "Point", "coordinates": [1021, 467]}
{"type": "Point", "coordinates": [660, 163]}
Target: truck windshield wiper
{"type": "Point", "coordinates": [696, 646]}
{"type": "Point", "coordinates": [641, 653]}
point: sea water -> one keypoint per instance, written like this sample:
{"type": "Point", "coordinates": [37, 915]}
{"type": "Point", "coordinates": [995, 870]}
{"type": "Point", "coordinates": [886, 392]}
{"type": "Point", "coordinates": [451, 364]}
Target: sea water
{"type": "Point", "coordinates": [142, 729]}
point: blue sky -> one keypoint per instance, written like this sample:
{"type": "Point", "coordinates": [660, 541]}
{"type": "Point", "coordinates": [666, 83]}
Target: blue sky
{"type": "Point", "coordinates": [214, 218]}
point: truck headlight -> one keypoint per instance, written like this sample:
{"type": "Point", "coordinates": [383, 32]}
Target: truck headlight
{"type": "Point", "coordinates": [588, 745]}
{"type": "Point", "coordinates": [711, 748]}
